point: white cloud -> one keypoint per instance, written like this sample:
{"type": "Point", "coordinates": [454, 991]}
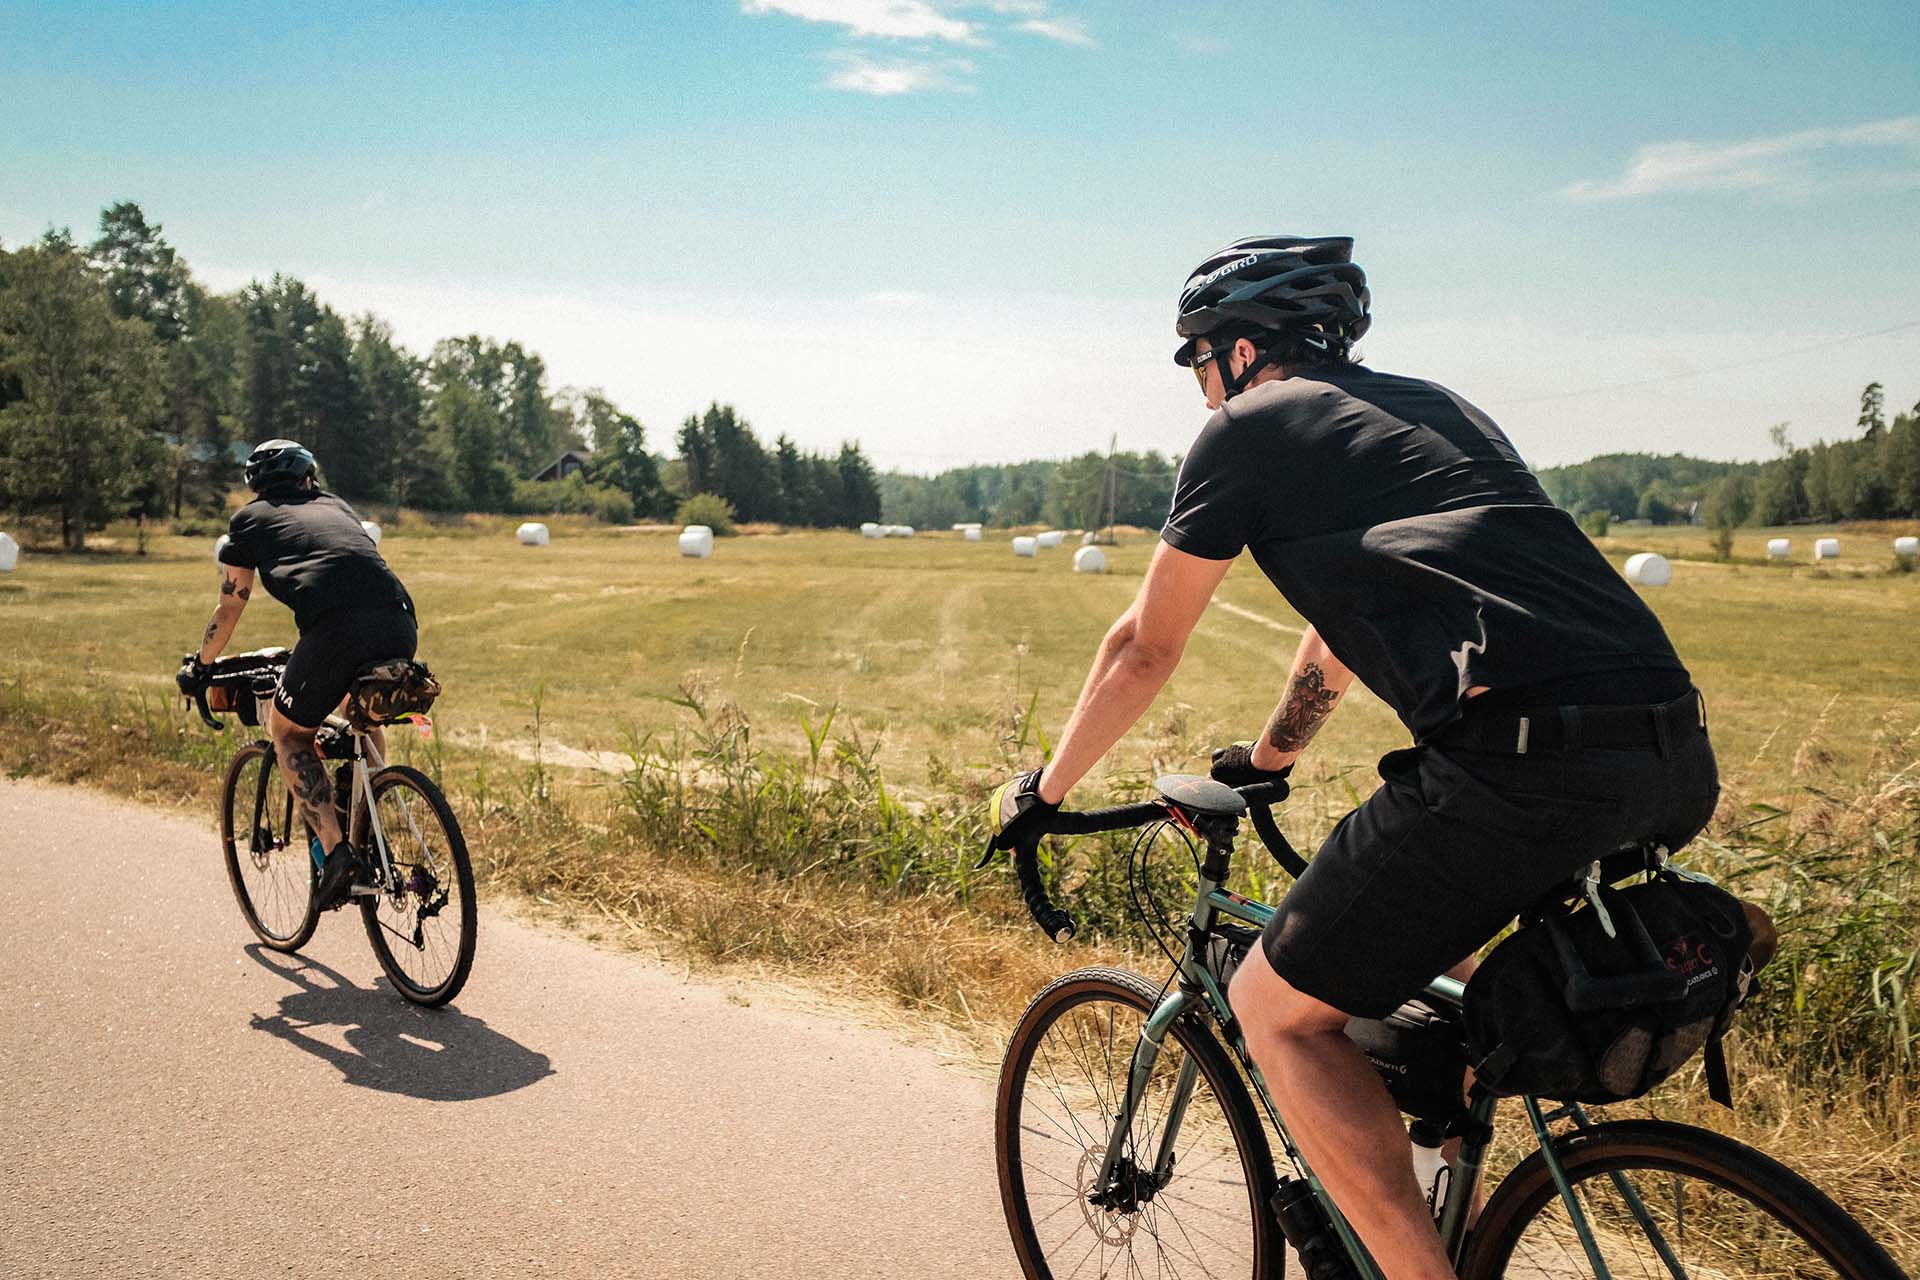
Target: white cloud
{"type": "Point", "coordinates": [861, 74]}
{"type": "Point", "coordinates": [893, 19]}
{"type": "Point", "coordinates": [1785, 164]}
{"type": "Point", "coordinates": [1065, 30]}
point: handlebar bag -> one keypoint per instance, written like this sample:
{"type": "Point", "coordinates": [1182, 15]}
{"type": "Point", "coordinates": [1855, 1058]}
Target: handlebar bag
{"type": "Point", "coordinates": [1567, 1009]}
{"type": "Point", "coordinates": [237, 684]}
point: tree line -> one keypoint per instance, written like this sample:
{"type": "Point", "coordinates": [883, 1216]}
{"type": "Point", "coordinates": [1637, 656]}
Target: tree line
{"type": "Point", "coordinates": [1084, 492]}
{"type": "Point", "coordinates": [1873, 475]}
{"type": "Point", "coordinates": [129, 388]}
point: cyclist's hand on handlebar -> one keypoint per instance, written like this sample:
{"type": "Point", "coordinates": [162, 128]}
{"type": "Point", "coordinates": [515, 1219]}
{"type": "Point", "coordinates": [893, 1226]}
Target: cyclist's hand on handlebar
{"type": "Point", "coordinates": [192, 675]}
{"type": "Point", "coordinates": [1019, 814]}
{"type": "Point", "coordinates": [1234, 766]}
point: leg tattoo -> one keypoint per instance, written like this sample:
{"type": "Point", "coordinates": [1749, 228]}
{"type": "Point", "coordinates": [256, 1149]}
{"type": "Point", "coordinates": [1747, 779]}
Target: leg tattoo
{"type": "Point", "coordinates": [308, 778]}
{"type": "Point", "coordinates": [1307, 704]}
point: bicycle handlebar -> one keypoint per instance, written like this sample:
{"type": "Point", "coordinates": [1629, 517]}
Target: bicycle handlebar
{"type": "Point", "coordinates": [1060, 925]}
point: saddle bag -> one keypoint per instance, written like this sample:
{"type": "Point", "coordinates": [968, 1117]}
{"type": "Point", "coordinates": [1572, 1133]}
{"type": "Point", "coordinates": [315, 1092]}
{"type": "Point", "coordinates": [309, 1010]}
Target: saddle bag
{"type": "Point", "coordinates": [1603, 1000]}
{"type": "Point", "coordinates": [386, 692]}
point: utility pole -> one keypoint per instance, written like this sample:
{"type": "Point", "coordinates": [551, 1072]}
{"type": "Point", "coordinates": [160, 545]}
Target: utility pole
{"type": "Point", "coordinates": [1113, 483]}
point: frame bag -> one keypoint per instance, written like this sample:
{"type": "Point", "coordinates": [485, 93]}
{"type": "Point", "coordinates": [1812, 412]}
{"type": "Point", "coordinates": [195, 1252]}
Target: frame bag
{"type": "Point", "coordinates": [1601, 1001]}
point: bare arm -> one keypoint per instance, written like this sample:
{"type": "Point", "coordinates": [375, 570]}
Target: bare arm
{"type": "Point", "coordinates": [1314, 687]}
{"type": "Point", "coordinates": [1139, 653]}
{"type": "Point", "coordinates": [236, 585]}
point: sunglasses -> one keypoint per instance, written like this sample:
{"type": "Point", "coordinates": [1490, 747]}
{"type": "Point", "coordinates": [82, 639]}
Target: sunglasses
{"type": "Point", "coordinates": [1200, 359]}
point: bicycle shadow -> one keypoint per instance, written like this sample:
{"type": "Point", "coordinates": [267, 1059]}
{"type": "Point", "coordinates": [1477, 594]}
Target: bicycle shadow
{"type": "Point", "coordinates": [438, 1055]}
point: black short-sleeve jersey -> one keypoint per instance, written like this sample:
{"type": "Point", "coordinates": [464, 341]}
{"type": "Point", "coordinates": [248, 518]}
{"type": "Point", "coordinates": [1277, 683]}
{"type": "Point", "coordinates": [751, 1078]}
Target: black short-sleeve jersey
{"type": "Point", "coordinates": [312, 555]}
{"type": "Point", "coordinates": [1402, 523]}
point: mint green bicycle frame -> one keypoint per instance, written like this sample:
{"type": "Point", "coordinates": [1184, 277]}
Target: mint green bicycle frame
{"type": "Point", "coordinates": [1196, 980]}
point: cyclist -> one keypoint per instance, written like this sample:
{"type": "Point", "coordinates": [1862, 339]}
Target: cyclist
{"type": "Point", "coordinates": [1552, 721]}
{"type": "Point", "coordinates": [309, 548]}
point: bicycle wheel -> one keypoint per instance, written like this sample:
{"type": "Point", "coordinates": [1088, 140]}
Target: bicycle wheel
{"type": "Point", "coordinates": [1669, 1201]}
{"type": "Point", "coordinates": [1062, 1085]}
{"type": "Point", "coordinates": [423, 925]}
{"type": "Point", "coordinates": [265, 841]}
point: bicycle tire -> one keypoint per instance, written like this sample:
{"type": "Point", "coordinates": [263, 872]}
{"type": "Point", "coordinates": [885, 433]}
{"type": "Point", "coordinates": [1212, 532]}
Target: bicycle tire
{"type": "Point", "coordinates": [1526, 1207]}
{"type": "Point", "coordinates": [287, 909]}
{"type": "Point", "coordinates": [405, 900]}
{"type": "Point", "coordinates": [1117, 988]}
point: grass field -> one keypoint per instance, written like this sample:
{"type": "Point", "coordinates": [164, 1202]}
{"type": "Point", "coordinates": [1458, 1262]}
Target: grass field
{"type": "Point", "coordinates": [934, 648]}
{"type": "Point", "coordinates": [742, 838]}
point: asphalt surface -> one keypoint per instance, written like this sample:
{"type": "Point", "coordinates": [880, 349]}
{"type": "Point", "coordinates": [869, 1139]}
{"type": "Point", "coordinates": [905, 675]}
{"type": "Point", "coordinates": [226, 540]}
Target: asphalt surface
{"type": "Point", "coordinates": [175, 1101]}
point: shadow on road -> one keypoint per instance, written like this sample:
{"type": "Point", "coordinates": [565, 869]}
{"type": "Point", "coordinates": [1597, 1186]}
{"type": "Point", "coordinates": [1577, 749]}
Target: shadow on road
{"type": "Point", "coordinates": [441, 1055]}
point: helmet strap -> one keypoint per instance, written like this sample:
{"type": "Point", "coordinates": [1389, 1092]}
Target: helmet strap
{"type": "Point", "coordinates": [1233, 386]}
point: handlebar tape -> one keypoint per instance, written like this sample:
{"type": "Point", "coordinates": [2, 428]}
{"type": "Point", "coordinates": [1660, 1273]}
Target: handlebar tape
{"type": "Point", "coordinates": [1053, 922]}
{"type": "Point", "coordinates": [200, 705]}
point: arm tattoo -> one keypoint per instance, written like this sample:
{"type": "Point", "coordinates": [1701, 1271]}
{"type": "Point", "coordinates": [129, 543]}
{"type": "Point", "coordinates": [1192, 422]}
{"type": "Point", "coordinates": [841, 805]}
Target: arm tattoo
{"type": "Point", "coordinates": [1307, 704]}
{"type": "Point", "coordinates": [228, 587]}
{"type": "Point", "coordinates": [308, 778]}
{"type": "Point", "coordinates": [213, 625]}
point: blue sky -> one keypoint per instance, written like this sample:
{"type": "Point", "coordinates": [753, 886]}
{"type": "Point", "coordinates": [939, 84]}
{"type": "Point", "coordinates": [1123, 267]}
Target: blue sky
{"type": "Point", "coordinates": [955, 230]}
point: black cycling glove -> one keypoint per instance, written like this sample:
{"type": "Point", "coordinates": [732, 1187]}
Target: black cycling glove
{"type": "Point", "coordinates": [1234, 766]}
{"type": "Point", "coordinates": [192, 675]}
{"type": "Point", "coordinates": [1020, 816]}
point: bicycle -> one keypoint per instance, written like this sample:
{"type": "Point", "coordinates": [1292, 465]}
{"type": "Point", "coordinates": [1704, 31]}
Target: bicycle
{"type": "Point", "coordinates": [1125, 1126]}
{"type": "Point", "coordinates": [418, 907]}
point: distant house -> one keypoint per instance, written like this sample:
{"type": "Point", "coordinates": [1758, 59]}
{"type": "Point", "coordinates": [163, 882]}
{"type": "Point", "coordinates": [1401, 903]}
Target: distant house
{"type": "Point", "coordinates": [571, 463]}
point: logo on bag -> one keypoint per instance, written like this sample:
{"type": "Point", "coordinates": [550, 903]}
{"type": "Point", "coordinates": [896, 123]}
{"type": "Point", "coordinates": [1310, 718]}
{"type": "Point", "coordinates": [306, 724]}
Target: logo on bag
{"type": "Point", "coordinates": [1686, 956]}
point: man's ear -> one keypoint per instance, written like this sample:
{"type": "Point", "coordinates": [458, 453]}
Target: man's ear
{"type": "Point", "coordinates": [1245, 352]}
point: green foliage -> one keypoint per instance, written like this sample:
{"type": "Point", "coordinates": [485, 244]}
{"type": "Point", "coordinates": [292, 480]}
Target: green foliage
{"type": "Point", "coordinates": [572, 496]}
{"type": "Point", "coordinates": [83, 391]}
{"type": "Point", "coordinates": [1596, 522]}
{"type": "Point", "coordinates": [1078, 493]}
{"type": "Point", "coordinates": [709, 509]}
{"type": "Point", "coordinates": [721, 455]}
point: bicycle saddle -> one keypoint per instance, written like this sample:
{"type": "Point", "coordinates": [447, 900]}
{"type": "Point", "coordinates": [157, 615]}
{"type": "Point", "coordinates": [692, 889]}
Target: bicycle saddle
{"type": "Point", "coordinates": [1200, 795]}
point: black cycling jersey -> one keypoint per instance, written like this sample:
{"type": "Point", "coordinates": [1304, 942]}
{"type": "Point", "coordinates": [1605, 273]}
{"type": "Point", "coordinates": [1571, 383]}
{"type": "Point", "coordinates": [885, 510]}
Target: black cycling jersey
{"type": "Point", "coordinates": [1401, 522]}
{"type": "Point", "coordinates": [312, 555]}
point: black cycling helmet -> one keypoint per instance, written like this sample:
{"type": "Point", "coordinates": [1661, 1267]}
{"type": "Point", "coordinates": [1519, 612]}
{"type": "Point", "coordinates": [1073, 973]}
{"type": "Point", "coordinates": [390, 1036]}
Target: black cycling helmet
{"type": "Point", "coordinates": [1298, 290]}
{"type": "Point", "coordinates": [278, 464]}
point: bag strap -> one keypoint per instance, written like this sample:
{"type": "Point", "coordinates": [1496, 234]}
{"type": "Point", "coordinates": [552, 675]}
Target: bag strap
{"type": "Point", "coordinates": [1718, 1086]}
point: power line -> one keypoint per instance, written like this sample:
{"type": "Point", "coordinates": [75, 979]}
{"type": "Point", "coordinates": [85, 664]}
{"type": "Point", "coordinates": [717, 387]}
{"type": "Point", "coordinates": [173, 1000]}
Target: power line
{"type": "Point", "coordinates": [1700, 373]}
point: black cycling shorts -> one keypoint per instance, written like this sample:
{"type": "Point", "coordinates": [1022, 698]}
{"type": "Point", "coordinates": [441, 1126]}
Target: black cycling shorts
{"type": "Point", "coordinates": [333, 651]}
{"type": "Point", "coordinates": [1455, 844]}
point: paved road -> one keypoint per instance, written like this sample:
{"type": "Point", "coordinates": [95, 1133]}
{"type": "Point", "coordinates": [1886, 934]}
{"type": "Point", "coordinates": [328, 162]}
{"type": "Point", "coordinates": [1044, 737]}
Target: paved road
{"type": "Point", "coordinates": [175, 1102]}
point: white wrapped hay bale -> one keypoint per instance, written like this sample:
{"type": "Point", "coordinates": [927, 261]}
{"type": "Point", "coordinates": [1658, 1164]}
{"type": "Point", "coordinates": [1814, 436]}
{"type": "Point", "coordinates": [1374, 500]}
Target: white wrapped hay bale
{"type": "Point", "coordinates": [1779, 548]}
{"type": "Point", "coordinates": [219, 545]}
{"type": "Point", "coordinates": [9, 553]}
{"type": "Point", "coordinates": [1649, 569]}
{"type": "Point", "coordinates": [533, 535]}
{"type": "Point", "coordinates": [696, 541]}
{"type": "Point", "coordinates": [870, 529]}
{"type": "Point", "coordinates": [965, 525]}
{"type": "Point", "coordinates": [1024, 547]}
{"type": "Point", "coordinates": [900, 531]}
{"type": "Point", "coordinates": [1826, 548]}
{"type": "Point", "coordinates": [373, 531]}
{"type": "Point", "coordinates": [1905, 548]}
{"type": "Point", "coordinates": [971, 535]}
{"type": "Point", "coordinates": [1051, 538]}
{"type": "Point", "coordinates": [1089, 560]}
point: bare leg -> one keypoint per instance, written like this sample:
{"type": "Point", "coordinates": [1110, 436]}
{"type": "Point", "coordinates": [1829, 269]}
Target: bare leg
{"type": "Point", "coordinates": [1342, 1116]}
{"type": "Point", "coordinates": [307, 777]}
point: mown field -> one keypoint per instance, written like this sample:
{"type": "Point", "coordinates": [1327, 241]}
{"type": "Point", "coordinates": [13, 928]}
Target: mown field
{"type": "Point", "coordinates": [934, 649]}
{"type": "Point", "coordinates": [639, 744]}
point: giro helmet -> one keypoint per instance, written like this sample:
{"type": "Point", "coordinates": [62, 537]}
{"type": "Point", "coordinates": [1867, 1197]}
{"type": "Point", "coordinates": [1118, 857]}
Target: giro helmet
{"type": "Point", "coordinates": [1297, 288]}
{"type": "Point", "coordinates": [278, 464]}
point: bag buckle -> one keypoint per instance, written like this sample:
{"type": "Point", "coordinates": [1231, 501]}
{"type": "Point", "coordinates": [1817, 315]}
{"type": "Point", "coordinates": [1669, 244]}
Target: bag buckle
{"type": "Point", "coordinates": [1593, 898]}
